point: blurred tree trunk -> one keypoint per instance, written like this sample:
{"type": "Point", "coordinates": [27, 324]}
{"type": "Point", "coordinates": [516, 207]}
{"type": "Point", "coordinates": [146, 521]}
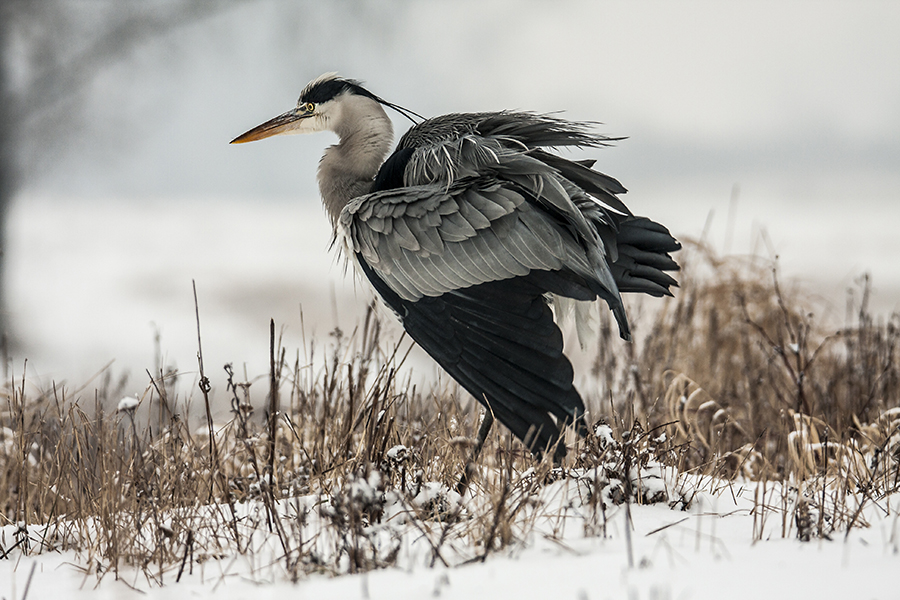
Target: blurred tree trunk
{"type": "Point", "coordinates": [50, 51]}
{"type": "Point", "coordinates": [8, 167]}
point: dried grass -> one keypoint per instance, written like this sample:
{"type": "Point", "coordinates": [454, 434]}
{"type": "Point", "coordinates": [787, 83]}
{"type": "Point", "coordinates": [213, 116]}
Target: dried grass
{"type": "Point", "coordinates": [756, 386]}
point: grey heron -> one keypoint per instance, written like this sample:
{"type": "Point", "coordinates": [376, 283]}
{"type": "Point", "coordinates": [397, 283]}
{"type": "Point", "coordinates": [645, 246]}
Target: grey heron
{"type": "Point", "coordinates": [468, 229]}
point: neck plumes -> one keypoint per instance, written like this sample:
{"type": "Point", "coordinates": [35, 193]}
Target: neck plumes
{"type": "Point", "coordinates": [348, 168]}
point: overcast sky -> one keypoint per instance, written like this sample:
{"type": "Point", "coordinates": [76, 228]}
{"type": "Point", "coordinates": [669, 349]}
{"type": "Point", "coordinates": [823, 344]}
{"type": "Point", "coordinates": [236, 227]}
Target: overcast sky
{"type": "Point", "coordinates": [795, 101]}
{"type": "Point", "coordinates": [729, 90]}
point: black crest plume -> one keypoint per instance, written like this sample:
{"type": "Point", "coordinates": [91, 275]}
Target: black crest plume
{"type": "Point", "coordinates": [330, 86]}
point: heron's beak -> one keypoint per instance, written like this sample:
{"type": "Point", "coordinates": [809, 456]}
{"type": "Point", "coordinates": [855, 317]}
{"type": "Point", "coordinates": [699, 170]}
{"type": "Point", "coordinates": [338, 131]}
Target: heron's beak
{"type": "Point", "coordinates": [287, 122]}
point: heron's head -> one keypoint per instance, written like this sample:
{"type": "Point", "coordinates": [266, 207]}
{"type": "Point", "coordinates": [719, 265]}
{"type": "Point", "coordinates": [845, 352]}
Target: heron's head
{"type": "Point", "coordinates": [322, 106]}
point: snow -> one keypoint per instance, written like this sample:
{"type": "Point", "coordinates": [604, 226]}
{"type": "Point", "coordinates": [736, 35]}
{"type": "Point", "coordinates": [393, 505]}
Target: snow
{"type": "Point", "coordinates": [714, 549]}
{"type": "Point", "coordinates": [127, 403]}
{"type": "Point", "coordinates": [604, 432]}
{"type": "Point", "coordinates": [397, 453]}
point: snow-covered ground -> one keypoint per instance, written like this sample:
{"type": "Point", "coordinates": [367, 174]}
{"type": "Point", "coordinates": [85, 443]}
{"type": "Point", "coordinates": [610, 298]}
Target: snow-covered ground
{"type": "Point", "coordinates": [93, 281]}
{"type": "Point", "coordinates": [717, 548]}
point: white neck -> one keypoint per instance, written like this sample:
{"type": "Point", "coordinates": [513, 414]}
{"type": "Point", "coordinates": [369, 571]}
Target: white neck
{"type": "Point", "coordinates": [348, 168]}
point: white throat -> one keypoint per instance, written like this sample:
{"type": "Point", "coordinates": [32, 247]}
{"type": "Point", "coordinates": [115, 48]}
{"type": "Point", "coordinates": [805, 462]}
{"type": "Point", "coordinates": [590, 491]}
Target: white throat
{"type": "Point", "coordinates": [348, 168]}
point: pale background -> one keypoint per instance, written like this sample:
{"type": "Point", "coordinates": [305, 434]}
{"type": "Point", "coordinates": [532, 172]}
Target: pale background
{"type": "Point", "coordinates": [772, 126]}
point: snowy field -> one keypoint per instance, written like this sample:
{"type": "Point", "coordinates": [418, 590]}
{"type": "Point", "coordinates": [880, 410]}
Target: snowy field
{"type": "Point", "coordinates": [95, 282]}
{"type": "Point", "coordinates": [726, 545]}
{"type": "Point", "coordinates": [92, 282]}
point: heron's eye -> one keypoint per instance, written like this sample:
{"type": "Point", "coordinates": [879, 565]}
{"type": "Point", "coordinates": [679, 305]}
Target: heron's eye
{"type": "Point", "coordinates": [310, 107]}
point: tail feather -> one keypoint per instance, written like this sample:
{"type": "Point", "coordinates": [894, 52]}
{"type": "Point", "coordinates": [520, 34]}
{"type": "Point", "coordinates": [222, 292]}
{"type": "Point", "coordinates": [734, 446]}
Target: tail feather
{"type": "Point", "coordinates": [643, 257]}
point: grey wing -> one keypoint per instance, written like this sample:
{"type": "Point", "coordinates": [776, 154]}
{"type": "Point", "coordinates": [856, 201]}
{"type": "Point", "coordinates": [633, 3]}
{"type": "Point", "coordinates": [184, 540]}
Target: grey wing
{"type": "Point", "coordinates": [488, 213]}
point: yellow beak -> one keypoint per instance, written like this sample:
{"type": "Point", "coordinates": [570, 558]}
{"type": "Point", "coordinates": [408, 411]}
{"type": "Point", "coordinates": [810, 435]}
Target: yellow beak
{"type": "Point", "coordinates": [283, 123]}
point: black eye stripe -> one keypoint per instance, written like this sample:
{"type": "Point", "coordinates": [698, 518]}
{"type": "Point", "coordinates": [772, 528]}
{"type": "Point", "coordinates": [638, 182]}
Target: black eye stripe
{"type": "Point", "coordinates": [331, 88]}
{"type": "Point", "coordinates": [328, 89]}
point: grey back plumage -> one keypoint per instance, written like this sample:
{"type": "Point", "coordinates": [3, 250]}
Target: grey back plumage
{"type": "Point", "coordinates": [481, 202]}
